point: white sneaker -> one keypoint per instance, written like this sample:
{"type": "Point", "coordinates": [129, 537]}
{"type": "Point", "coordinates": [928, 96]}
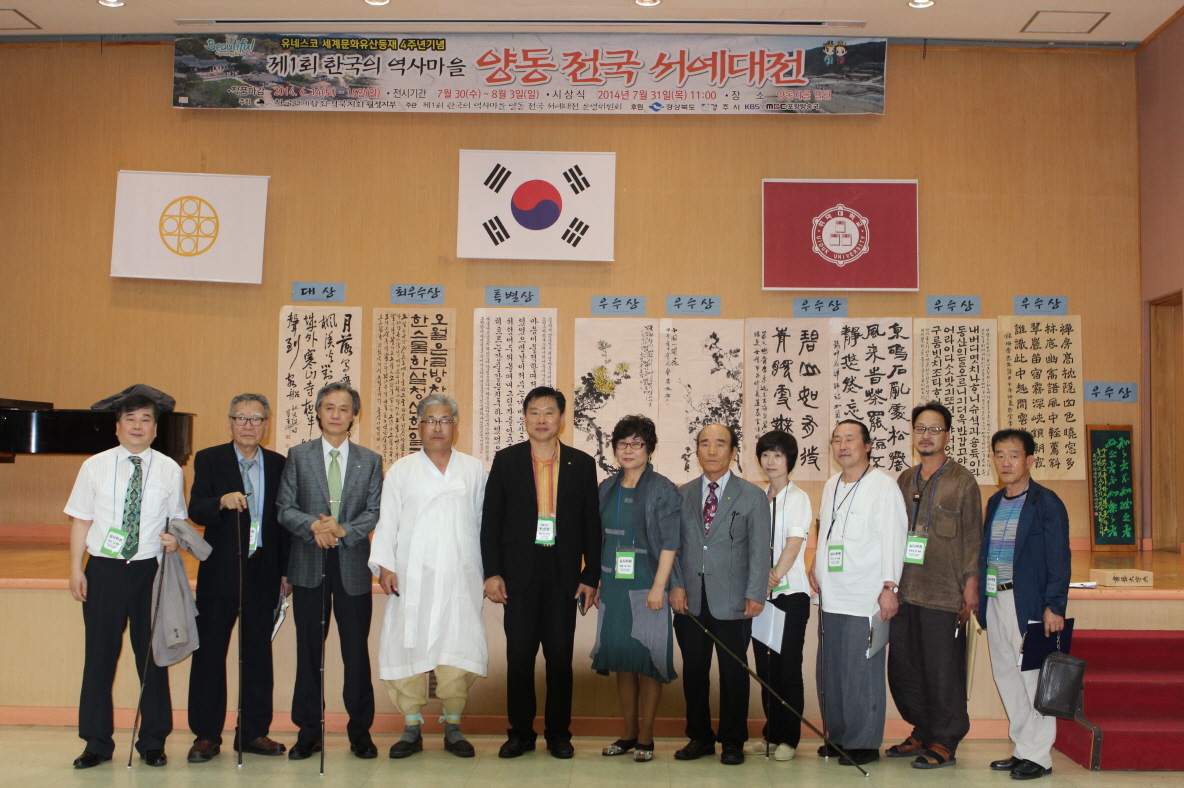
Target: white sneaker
{"type": "Point", "coordinates": [784, 753]}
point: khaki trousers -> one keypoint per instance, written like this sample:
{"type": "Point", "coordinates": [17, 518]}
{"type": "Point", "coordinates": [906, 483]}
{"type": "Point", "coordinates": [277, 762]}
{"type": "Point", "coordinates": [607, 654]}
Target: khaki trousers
{"type": "Point", "coordinates": [1032, 732]}
{"type": "Point", "coordinates": [452, 687]}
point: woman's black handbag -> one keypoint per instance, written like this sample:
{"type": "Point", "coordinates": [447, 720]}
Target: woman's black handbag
{"type": "Point", "coordinates": [1061, 678]}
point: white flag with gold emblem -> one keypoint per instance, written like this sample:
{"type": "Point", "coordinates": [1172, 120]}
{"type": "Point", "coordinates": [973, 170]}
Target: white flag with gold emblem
{"type": "Point", "coordinates": [179, 225]}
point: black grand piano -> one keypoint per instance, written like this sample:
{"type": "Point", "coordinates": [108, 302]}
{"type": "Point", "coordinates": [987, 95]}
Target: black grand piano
{"type": "Point", "coordinates": [40, 428]}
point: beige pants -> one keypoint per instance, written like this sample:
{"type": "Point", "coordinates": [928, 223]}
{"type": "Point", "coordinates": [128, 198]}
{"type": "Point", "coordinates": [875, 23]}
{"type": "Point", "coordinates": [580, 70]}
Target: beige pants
{"type": "Point", "coordinates": [452, 687]}
{"type": "Point", "coordinates": [1032, 732]}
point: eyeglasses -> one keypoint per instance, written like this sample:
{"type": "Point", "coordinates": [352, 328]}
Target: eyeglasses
{"type": "Point", "coordinates": [434, 422]}
{"type": "Point", "coordinates": [635, 445]}
{"type": "Point", "coordinates": [254, 420]}
{"type": "Point", "coordinates": [931, 430]}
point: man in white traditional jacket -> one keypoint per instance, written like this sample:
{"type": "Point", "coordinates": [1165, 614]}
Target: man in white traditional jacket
{"type": "Point", "coordinates": [427, 555]}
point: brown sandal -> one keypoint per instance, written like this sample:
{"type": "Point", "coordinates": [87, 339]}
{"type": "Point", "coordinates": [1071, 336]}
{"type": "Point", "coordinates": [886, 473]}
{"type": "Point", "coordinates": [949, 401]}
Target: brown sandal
{"type": "Point", "coordinates": [935, 757]}
{"type": "Point", "coordinates": [906, 749]}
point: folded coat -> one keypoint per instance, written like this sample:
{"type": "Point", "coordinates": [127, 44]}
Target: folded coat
{"type": "Point", "coordinates": [174, 631]}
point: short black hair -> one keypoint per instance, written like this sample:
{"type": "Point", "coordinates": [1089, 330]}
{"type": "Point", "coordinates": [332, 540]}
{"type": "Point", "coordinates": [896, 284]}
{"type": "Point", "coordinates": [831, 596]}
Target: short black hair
{"type": "Point", "coordinates": [779, 440]}
{"type": "Point", "coordinates": [1023, 436]}
{"type": "Point", "coordinates": [867, 436]}
{"type": "Point", "coordinates": [641, 426]}
{"type": "Point", "coordinates": [136, 402]}
{"type": "Point", "coordinates": [543, 392]}
{"type": "Point", "coordinates": [733, 436]}
{"type": "Point", "coordinates": [937, 408]}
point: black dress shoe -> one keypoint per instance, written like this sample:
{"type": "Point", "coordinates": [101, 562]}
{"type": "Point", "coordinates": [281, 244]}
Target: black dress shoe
{"type": "Point", "coordinates": [828, 751]}
{"type": "Point", "coordinates": [695, 749]}
{"type": "Point", "coordinates": [732, 756]}
{"type": "Point", "coordinates": [303, 749]}
{"type": "Point", "coordinates": [364, 748]}
{"type": "Point", "coordinates": [859, 757]}
{"type": "Point", "coordinates": [1029, 770]}
{"type": "Point", "coordinates": [1006, 765]}
{"type": "Point", "coordinates": [460, 748]}
{"type": "Point", "coordinates": [405, 749]}
{"type": "Point", "coordinates": [561, 749]}
{"type": "Point", "coordinates": [154, 757]}
{"type": "Point", "coordinates": [89, 759]}
{"type": "Point", "coordinates": [515, 746]}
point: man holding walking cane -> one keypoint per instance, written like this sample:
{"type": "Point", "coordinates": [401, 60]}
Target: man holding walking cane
{"type": "Point", "coordinates": [121, 502]}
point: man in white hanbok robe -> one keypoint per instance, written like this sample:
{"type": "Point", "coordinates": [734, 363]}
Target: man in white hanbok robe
{"type": "Point", "coordinates": [427, 553]}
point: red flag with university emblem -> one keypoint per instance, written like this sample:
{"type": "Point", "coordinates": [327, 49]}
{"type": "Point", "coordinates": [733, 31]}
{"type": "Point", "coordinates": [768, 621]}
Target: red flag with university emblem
{"type": "Point", "coordinates": [840, 235]}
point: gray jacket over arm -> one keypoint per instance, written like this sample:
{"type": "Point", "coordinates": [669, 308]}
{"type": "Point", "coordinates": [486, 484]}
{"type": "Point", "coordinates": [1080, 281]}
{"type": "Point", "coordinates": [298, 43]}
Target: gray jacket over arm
{"type": "Point", "coordinates": [733, 561]}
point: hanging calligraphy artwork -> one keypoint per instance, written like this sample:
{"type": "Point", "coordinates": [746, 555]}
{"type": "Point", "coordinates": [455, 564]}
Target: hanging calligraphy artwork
{"type": "Point", "coordinates": [700, 382]}
{"type": "Point", "coordinates": [872, 372]}
{"type": "Point", "coordinates": [1040, 356]}
{"type": "Point", "coordinates": [956, 366]}
{"type": "Point", "coordinates": [787, 375]}
{"type": "Point", "coordinates": [615, 376]}
{"type": "Point", "coordinates": [318, 345]}
{"type": "Point", "coordinates": [513, 352]}
{"type": "Point", "coordinates": [413, 356]}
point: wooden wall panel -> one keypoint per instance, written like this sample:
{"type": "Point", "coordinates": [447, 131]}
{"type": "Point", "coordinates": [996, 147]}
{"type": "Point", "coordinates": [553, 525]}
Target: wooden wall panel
{"type": "Point", "coordinates": [1027, 163]}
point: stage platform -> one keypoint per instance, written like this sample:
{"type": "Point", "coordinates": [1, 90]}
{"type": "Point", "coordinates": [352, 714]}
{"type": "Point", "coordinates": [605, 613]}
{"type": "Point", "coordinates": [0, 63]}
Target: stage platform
{"type": "Point", "coordinates": [41, 663]}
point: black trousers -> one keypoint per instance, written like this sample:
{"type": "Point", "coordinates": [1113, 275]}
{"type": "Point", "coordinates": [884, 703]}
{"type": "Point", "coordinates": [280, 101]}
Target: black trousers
{"type": "Point", "coordinates": [119, 593]}
{"type": "Point", "coordinates": [353, 629]}
{"type": "Point", "coordinates": [217, 612]}
{"type": "Point", "coordinates": [783, 671]}
{"type": "Point", "coordinates": [927, 674]}
{"type": "Point", "coordinates": [541, 613]}
{"type": "Point", "coordinates": [696, 648]}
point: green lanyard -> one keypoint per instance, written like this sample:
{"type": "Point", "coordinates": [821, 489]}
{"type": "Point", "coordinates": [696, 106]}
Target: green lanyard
{"type": "Point", "coordinates": [626, 563]}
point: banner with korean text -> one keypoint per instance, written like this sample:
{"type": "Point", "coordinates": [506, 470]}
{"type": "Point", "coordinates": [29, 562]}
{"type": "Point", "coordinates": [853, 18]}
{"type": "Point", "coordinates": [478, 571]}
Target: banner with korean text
{"type": "Point", "coordinates": [535, 73]}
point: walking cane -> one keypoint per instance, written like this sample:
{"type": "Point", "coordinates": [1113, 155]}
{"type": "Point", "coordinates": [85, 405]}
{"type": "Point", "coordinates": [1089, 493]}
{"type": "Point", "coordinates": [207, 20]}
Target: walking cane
{"type": "Point", "coordinates": [772, 691]}
{"type": "Point", "coordinates": [769, 601]}
{"type": "Point", "coordinates": [131, 750]}
{"type": "Point", "coordinates": [238, 539]}
{"type": "Point", "coordinates": [324, 637]}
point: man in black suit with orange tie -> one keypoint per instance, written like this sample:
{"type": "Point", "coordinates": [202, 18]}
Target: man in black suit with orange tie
{"type": "Point", "coordinates": [234, 491]}
{"type": "Point", "coordinates": [541, 522]}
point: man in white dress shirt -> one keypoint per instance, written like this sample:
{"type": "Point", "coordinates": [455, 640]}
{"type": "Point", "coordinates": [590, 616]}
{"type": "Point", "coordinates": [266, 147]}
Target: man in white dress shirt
{"type": "Point", "coordinates": [121, 502]}
{"type": "Point", "coordinates": [860, 555]}
{"type": "Point", "coordinates": [427, 555]}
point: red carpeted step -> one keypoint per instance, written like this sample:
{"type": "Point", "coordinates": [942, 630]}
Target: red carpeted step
{"type": "Point", "coordinates": [1125, 650]}
{"type": "Point", "coordinates": [1142, 744]}
{"type": "Point", "coordinates": [1133, 694]}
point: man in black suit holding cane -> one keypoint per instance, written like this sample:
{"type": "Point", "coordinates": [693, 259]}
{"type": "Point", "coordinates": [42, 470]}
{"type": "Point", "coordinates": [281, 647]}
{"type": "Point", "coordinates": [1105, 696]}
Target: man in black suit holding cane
{"type": "Point", "coordinates": [233, 496]}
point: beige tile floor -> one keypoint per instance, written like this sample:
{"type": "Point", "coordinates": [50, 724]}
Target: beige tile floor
{"type": "Point", "coordinates": [33, 757]}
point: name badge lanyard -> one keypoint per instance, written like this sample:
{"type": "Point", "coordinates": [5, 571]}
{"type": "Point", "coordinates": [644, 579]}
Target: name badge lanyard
{"type": "Point", "coordinates": [784, 584]}
{"type": "Point", "coordinates": [914, 551]}
{"type": "Point", "coordinates": [626, 561]}
{"type": "Point", "coordinates": [993, 571]}
{"type": "Point", "coordinates": [115, 538]}
{"type": "Point", "coordinates": [544, 533]}
{"type": "Point", "coordinates": [834, 553]}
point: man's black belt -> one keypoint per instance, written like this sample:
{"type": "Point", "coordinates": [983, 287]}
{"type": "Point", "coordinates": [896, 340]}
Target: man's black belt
{"type": "Point", "coordinates": [1005, 586]}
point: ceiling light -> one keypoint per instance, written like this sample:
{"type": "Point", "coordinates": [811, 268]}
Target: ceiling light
{"type": "Point", "coordinates": [377, 2]}
{"type": "Point", "coordinates": [647, 3]}
{"type": "Point", "coordinates": [920, 3]}
{"type": "Point", "coordinates": [111, 3]}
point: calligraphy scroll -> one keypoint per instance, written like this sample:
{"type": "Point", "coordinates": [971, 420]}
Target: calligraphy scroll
{"type": "Point", "coordinates": [701, 382]}
{"type": "Point", "coordinates": [787, 374]}
{"type": "Point", "coordinates": [413, 356]}
{"type": "Point", "coordinates": [1112, 488]}
{"type": "Point", "coordinates": [513, 352]}
{"type": "Point", "coordinates": [615, 376]}
{"type": "Point", "coordinates": [872, 371]}
{"type": "Point", "coordinates": [956, 366]}
{"type": "Point", "coordinates": [1041, 380]}
{"type": "Point", "coordinates": [318, 345]}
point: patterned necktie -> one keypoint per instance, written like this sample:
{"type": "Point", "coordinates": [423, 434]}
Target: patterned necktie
{"type": "Point", "coordinates": [334, 483]}
{"type": "Point", "coordinates": [709, 507]}
{"type": "Point", "coordinates": [249, 490]}
{"type": "Point", "coordinates": [131, 511]}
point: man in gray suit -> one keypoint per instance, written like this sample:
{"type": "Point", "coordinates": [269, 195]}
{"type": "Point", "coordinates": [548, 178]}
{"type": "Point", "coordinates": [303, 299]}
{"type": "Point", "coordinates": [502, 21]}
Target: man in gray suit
{"type": "Point", "coordinates": [720, 577]}
{"type": "Point", "coordinates": [328, 499]}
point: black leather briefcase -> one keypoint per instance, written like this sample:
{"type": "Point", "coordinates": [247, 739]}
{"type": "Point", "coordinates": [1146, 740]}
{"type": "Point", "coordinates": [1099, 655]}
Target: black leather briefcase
{"type": "Point", "coordinates": [1061, 678]}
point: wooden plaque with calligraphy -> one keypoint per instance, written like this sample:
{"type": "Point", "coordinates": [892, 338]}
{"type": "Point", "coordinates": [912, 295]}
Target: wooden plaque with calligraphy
{"type": "Point", "coordinates": [1114, 526]}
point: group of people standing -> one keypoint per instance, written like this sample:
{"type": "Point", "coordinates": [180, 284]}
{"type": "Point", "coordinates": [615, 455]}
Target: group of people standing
{"type": "Point", "coordinates": [540, 537]}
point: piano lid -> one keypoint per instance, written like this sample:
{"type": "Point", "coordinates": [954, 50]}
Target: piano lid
{"type": "Point", "coordinates": [48, 430]}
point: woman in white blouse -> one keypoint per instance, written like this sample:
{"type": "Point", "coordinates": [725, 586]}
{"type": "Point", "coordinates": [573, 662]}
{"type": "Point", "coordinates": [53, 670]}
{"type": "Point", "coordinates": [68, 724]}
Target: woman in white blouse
{"type": "Point", "coordinates": [779, 632]}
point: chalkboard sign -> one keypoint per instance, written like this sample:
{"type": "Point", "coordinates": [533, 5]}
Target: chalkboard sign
{"type": "Point", "coordinates": [1115, 526]}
